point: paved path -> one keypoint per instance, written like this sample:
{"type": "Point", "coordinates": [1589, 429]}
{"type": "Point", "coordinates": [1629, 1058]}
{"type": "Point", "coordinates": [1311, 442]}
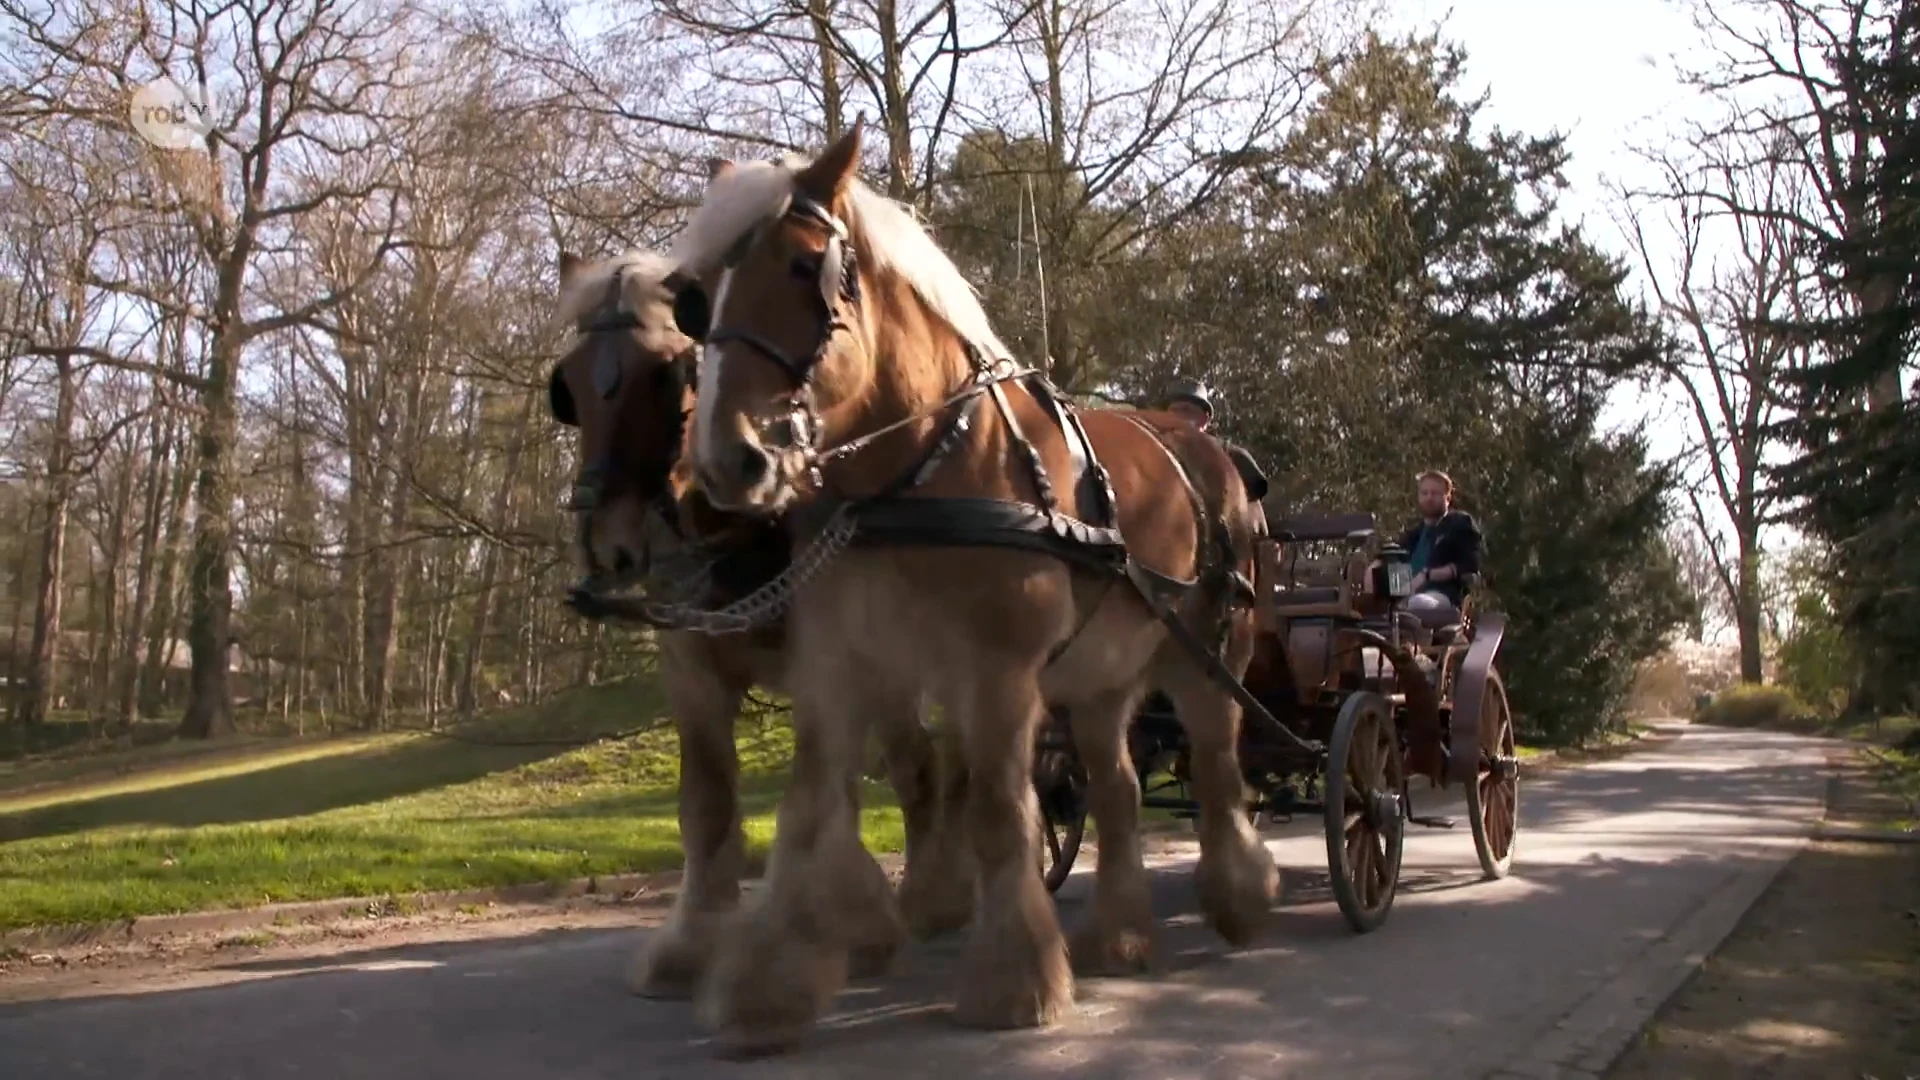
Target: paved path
{"type": "Point", "coordinates": [1626, 870]}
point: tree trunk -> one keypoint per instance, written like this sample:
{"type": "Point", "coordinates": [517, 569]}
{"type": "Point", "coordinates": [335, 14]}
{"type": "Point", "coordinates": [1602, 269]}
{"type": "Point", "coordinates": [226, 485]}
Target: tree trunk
{"type": "Point", "coordinates": [163, 626]}
{"type": "Point", "coordinates": [1746, 609]}
{"type": "Point", "coordinates": [21, 563]}
{"type": "Point", "coordinates": [832, 97]}
{"type": "Point", "coordinates": [361, 413]}
{"type": "Point", "coordinates": [210, 577]}
{"type": "Point", "coordinates": [383, 608]}
{"type": "Point", "coordinates": [42, 656]}
{"type": "Point", "coordinates": [82, 693]}
{"type": "Point", "coordinates": [112, 617]}
{"type": "Point", "coordinates": [484, 603]}
{"type": "Point", "coordinates": [127, 679]}
{"type": "Point", "coordinates": [893, 84]}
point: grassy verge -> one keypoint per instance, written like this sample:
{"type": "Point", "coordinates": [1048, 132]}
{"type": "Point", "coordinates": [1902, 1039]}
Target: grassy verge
{"type": "Point", "coordinates": [1600, 745]}
{"type": "Point", "coordinates": [374, 815]}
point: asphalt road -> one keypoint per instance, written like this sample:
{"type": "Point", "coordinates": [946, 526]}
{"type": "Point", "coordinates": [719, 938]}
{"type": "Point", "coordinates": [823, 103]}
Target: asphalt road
{"type": "Point", "coordinates": [1627, 872]}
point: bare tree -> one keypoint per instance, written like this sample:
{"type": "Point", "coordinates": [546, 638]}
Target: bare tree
{"type": "Point", "coordinates": [1734, 280]}
{"type": "Point", "coordinates": [1789, 70]}
{"type": "Point", "coordinates": [302, 86]}
{"type": "Point", "coordinates": [53, 235]}
{"type": "Point", "coordinates": [1117, 123]}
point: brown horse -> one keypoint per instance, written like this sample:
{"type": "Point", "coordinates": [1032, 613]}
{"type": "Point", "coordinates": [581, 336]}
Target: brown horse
{"type": "Point", "coordinates": [625, 382]}
{"type": "Point", "coordinates": [1006, 551]}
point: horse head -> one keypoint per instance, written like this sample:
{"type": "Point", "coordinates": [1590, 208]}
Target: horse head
{"type": "Point", "coordinates": [625, 383]}
{"type": "Point", "coordinates": [824, 310]}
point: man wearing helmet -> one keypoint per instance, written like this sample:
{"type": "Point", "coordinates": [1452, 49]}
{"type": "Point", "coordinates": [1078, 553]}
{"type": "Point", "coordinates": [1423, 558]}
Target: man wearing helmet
{"type": "Point", "coordinates": [1191, 402]}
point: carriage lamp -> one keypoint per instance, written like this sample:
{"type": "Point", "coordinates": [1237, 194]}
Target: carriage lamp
{"type": "Point", "coordinates": [1393, 573]}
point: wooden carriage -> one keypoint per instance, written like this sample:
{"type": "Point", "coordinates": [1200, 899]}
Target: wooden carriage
{"type": "Point", "coordinates": [1358, 695]}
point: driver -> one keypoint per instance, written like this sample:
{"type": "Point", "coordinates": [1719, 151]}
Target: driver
{"type": "Point", "coordinates": [1191, 402]}
{"type": "Point", "coordinates": [1444, 546]}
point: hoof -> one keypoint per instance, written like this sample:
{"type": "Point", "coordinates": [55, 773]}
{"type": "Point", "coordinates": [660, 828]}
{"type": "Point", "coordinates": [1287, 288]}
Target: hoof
{"type": "Point", "coordinates": [1114, 954]}
{"type": "Point", "coordinates": [1237, 893]}
{"type": "Point", "coordinates": [1025, 992]}
{"type": "Point", "coordinates": [764, 993]}
{"type": "Point", "coordinates": [669, 966]}
{"type": "Point", "coordinates": [935, 909]}
{"type": "Point", "coordinates": [871, 961]}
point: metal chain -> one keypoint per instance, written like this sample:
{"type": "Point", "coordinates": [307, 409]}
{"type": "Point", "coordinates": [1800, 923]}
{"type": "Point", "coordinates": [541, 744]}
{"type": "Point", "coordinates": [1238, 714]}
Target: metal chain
{"type": "Point", "coordinates": [769, 601]}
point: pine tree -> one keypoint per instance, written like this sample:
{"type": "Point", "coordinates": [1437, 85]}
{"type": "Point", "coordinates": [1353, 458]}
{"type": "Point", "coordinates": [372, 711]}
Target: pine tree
{"type": "Point", "coordinates": [1858, 427]}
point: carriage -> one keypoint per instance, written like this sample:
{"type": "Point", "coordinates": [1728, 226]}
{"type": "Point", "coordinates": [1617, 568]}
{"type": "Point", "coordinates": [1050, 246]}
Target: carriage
{"type": "Point", "coordinates": [1354, 697]}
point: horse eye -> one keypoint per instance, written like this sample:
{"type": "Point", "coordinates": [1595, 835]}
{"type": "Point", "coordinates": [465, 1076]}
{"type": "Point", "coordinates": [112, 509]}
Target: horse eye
{"type": "Point", "coordinates": [806, 267]}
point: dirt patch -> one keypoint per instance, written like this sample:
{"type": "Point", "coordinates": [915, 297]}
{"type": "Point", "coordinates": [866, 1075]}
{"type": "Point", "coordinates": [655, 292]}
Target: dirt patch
{"type": "Point", "coordinates": [1820, 980]}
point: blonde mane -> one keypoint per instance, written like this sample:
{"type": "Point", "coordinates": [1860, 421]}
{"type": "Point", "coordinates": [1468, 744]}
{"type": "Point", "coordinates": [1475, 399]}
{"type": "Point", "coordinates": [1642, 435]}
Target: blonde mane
{"type": "Point", "coordinates": [644, 271]}
{"type": "Point", "coordinates": [885, 233]}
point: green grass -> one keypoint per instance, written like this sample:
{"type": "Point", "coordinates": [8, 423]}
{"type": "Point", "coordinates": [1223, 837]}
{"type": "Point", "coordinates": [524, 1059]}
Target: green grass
{"type": "Point", "coordinates": [378, 815]}
{"type": "Point", "coordinates": [1605, 740]}
{"type": "Point", "coordinates": [1777, 708]}
{"type": "Point", "coordinates": [1900, 770]}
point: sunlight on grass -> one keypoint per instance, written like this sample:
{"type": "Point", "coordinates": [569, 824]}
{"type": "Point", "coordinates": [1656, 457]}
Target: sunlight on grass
{"type": "Point", "coordinates": [167, 774]}
{"type": "Point", "coordinates": [86, 763]}
{"type": "Point", "coordinates": [384, 814]}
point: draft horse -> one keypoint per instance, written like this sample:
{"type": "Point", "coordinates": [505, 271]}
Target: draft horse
{"type": "Point", "coordinates": [1001, 550]}
{"type": "Point", "coordinates": [624, 382]}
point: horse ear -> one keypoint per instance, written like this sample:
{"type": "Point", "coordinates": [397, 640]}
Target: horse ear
{"type": "Point", "coordinates": [718, 167]}
{"type": "Point", "coordinates": [570, 267]}
{"type": "Point", "coordinates": [833, 170]}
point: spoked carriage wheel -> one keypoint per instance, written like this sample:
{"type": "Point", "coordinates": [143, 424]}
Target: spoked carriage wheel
{"type": "Point", "coordinates": [1493, 799]}
{"type": "Point", "coordinates": [1366, 826]}
{"type": "Point", "coordinates": [1060, 781]}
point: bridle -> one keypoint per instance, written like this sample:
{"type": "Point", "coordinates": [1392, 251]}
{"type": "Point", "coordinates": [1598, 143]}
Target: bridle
{"type": "Point", "coordinates": [608, 375]}
{"type": "Point", "coordinates": [837, 289]}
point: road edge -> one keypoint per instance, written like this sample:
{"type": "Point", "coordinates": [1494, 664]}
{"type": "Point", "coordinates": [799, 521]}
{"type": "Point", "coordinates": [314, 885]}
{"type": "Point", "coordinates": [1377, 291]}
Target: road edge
{"type": "Point", "coordinates": [1586, 1041]}
{"type": "Point", "coordinates": [228, 920]}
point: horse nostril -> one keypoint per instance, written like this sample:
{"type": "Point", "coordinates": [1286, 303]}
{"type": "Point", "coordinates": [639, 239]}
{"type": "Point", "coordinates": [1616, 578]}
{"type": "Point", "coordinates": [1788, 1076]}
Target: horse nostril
{"type": "Point", "coordinates": [754, 465]}
{"type": "Point", "coordinates": [622, 561]}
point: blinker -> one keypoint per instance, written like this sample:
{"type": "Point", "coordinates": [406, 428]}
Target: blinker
{"type": "Point", "coordinates": [691, 312]}
{"type": "Point", "coordinates": [606, 374]}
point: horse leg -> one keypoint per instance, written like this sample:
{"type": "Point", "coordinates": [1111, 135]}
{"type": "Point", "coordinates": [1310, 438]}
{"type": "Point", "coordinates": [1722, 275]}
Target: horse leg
{"type": "Point", "coordinates": [778, 967]}
{"type": "Point", "coordinates": [1015, 972]}
{"type": "Point", "coordinates": [875, 927]}
{"type": "Point", "coordinates": [936, 894]}
{"type": "Point", "coordinates": [1237, 879]}
{"type": "Point", "coordinates": [705, 706]}
{"type": "Point", "coordinates": [1119, 939]}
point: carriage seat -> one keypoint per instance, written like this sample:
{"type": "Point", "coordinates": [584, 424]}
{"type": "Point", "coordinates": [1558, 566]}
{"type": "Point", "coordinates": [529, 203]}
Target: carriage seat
{"type": "Point", "coordinates": [1310, 595]}
{"type": "Point", "coordinates": [1310, 528]}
